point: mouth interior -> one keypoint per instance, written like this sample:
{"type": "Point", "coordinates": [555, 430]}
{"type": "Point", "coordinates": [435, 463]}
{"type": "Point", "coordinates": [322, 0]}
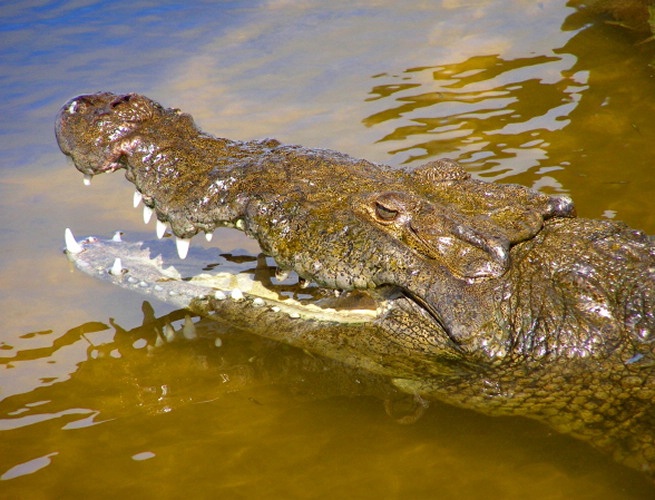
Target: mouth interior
{"type": "Point", "coordinates": [260, 275]}
{"type": "Point", "coordinates": [153, 268]}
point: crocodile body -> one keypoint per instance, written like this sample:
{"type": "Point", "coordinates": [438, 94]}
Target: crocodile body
{"type": "Point", "coordinates": [487, 296]}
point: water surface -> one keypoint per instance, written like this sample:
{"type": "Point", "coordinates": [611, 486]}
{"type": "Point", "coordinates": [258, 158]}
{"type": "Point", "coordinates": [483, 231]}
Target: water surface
{"type": "Point", "coordinates": [527, 92]}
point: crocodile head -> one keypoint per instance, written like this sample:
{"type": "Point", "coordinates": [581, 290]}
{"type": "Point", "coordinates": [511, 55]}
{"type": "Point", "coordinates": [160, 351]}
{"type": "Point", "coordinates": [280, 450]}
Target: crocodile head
{"type": "Point", "coordinates": [431, 235]}
{"type": "Point", "coordinates": [492, 297]}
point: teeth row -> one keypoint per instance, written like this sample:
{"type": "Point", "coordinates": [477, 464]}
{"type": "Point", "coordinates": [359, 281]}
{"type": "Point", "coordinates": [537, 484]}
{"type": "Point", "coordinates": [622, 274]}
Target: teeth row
{"type": "Point", "coordinates": [168, 333]}
{"type": "Point", "coordinates": [182, 244]}
{"type": "Point", "coordinates": [73, 246]}
{"type": "Point", "coordinates": [188, 331]}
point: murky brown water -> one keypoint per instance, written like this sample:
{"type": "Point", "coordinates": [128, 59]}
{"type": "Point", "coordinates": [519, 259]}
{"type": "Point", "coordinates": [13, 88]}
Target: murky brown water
{"type": "Point", "coordinates": [519, 91]}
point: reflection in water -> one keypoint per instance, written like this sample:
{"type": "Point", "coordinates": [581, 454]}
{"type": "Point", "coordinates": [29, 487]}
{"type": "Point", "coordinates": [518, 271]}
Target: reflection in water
{"type": "Point", "coordinates": [160, 393]}
{"type": "Point", "coordinates": [485, 108]}
{"type": "Point", "coordinates": [164, 366]}
{"type": "Point", "coordinates": [219, 353]}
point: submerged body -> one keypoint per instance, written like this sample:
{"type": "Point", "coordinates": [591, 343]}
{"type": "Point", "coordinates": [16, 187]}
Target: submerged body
{"type": "Point", "coordinates": [491, 297]}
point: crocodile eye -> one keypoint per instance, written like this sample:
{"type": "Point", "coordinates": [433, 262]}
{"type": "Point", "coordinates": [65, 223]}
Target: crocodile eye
{"type": "Point", "coordinates": [385, 214]}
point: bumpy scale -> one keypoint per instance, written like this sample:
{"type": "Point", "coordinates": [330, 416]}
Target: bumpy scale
{"type": "Point", "coordinates": [487, 296]}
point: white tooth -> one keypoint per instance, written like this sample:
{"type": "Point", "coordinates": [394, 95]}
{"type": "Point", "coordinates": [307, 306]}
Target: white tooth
{"type": "Point", "coordinates": [72, 246]}
{"type": "Point", "coordinates": [117, 236]}
{"type": "Point", "coordinates": [87, 180]}
{"type": "Point", "coordinates": [281, 274]}
{"type": "Point", "coordinates": [117, 267]}
{"type": "Point", "coordinates": [240, 224]}
{"type": "Point", "coordinates": [182, 246]}
{"type": "Point", "coordinates": [189, 329]}
{"type": "Point", "coordinates": [161, 229]}
{"type": "Point", "coordinates": [209, 236]}
{"type": "Point", "coordinates": [136, 199]}
{"type": "Point", "coordinates": [147, 214]}
{"type": "Point", "coordinates": [169, 332]}
{"type": "Point", "coordinates": [237, 295]}
{"type": "Point", "coordinates": [159, 341]}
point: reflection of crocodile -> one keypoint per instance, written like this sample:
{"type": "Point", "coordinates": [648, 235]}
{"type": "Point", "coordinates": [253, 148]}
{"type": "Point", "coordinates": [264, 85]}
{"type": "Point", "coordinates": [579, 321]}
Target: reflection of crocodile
{"type": "Point", "coordinates": [243, 362]}
{"type": "Point", "coordinates": [491, 297]}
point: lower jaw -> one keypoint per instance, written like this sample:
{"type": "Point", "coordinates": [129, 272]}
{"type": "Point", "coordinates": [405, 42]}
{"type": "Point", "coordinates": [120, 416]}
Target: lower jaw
{"type": "Point", "coordinates": [148, 268]}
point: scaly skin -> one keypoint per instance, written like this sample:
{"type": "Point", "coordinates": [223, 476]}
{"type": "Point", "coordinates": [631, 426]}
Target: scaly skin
{"type": "Point", "coordinates": [491, 297]}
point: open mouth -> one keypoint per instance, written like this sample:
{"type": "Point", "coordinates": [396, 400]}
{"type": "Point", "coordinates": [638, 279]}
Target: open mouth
{"type": "Point", "coordinates": [207, 277]}
{"type": "Point", "coordinates": [296, 202]}
{"type": "Point", "coordinates": [178, 181]}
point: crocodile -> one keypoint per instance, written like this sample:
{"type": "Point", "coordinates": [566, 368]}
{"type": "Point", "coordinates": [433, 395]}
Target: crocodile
{"type": "Point", "coordinates": [491, 297]}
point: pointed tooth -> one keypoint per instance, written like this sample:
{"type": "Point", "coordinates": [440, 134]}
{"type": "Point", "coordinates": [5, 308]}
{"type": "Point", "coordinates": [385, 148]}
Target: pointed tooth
{"type": "Point", "coordinates": [87, 180]}
{"type": "Point", "coordinates": [161, 229]}
{"type": "Point", "coordinates": [117, 267]}
{"type": "Point", "coordinates": [159, 339]}
{"type": "Point", "coordinates": [303, 283]}
{"type": "Point", "coordinates": [182, 246]}
{"type": "Point", "coordinates": [169, 332]}
{"type": "Point", "coordinates": [72, 246]}
{"type": "Point", "coordinates": [240, 224]}
{"type": "Point", "coordinates": [136, 199]}
{"type": "Point", "coordinates": [281, 274]}
{"type": "Point", "coordinates": [117, 236]}
{"type": "Point", "coordinates": [189, 328]}
{"type": "Point", "coordinates": [209, 236]}
{"type": "Point", "coordinates": [147, 214]}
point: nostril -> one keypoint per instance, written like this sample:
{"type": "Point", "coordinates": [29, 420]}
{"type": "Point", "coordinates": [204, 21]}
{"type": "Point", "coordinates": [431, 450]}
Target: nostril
{"type": "Point", "coordinates": [120, 100]}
